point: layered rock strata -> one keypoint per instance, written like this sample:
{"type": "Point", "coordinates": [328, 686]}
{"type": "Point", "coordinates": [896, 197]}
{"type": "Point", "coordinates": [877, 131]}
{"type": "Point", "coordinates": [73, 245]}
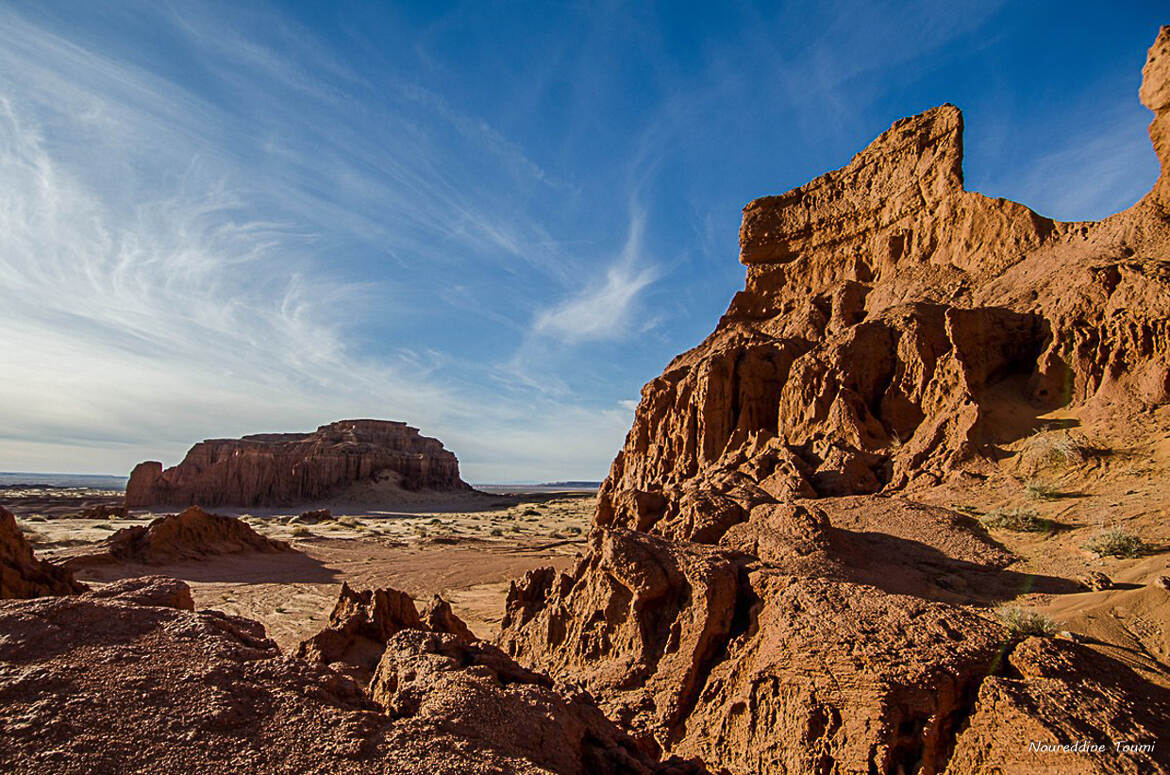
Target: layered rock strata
{"type": "Point", "coordinates": [271, 469]}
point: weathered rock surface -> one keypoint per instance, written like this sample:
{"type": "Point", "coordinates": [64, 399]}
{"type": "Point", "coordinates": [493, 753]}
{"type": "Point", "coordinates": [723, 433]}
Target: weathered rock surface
{"type": "Point", "coordinates": [473, 692]}
{"type": "Point", "coordinates": [768, 652]}
{"type": "Point", "coordinates": [191, 535]}
{"type": "Point", "coordinates": [21, 573]}
{"type": "Point", "coordinates": [1059, 693]}
{"type": "Point", "coordinates": [895, 331]}
{"type": "Point", "coordinates": [359, 626]}
{"type": "Point", "coordinates": [286, 468]}
{"type": "Point", "coordinates": [893, 322]}
{"type": "Point", "coordinates": [129, 679]}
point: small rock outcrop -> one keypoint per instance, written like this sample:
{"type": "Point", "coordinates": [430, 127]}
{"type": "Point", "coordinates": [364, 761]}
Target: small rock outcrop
{"type": "Point", "coordinates": [191, 535]}
{"type": "Point", "coordinates": [474, 693]}
{"type": "Point", "coordinates": [274, 469]}
{"type": "Point", "coordinates": [21, 573]}
{"type": "Point", "coordinates": [359, 626]}
{"type": "Point", "coordinates": [1060, 693]}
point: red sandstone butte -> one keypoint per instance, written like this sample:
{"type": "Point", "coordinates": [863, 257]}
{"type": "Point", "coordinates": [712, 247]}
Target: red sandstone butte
{"type": "Point", "coordinates": [271, 469]}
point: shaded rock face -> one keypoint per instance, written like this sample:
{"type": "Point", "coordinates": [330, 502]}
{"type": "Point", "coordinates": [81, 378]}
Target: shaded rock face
{"type": "Point", "coordinates": [286, 468]}
{"type": "Point", "coordinates": [21, 573]}
{"type": "Point", "coordinates": [191, 535]}
{"type": "Point", "coordinates": [893, 332]}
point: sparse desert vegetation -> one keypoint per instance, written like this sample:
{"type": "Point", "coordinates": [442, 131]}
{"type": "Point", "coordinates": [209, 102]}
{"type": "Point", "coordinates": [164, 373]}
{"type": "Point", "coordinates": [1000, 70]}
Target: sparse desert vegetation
{"type": "Point", "coordinates": [1115, 542]}
{"type": "Point", "coordinates": [1019, 520]}
{"type": "Point", "coordinates": [1024, 623]}
{"type": "Point", "coordinates": [1046, 450]}
{"type": "Point", "coordinates": [1041, 490]}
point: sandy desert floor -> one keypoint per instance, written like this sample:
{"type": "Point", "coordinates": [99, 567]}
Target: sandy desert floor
{"type": "Point", "coordinates": [1071, 480]}
{"type": "Point", "coordinates": [466, 548]}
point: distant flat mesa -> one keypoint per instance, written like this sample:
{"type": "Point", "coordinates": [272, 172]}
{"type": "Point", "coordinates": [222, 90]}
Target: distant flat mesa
{"type": "Point", "coordinates": [361, 459]}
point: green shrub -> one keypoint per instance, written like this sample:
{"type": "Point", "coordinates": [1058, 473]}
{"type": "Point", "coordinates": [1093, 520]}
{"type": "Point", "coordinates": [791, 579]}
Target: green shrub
{"type": "Point", "coordinates": [1019, 520]}
{"type": "Point", "coordinates": [1040, 490]}
{"type": "Point", "coordinates": [301, 530]}
{"type": "Point", "coordinates": [1115, 542]}
{"type": "Point", "coordinates": [497, 532]}
{"type": "Point", "coordinates": [1022, 623]}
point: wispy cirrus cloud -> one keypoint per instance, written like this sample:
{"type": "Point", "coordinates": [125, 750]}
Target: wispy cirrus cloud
{"type": "Point", "coordinates": [168, 271]}
{"type": "Point", "coordinates": [603, 309]}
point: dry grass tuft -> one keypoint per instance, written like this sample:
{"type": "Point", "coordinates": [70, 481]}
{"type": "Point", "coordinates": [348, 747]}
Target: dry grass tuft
{"type": "Point", "coordinates": [1023, 623]}
{"type": "Point", "coordinates": [1046, 450]}
{"type": "Point", "coordinates": [1040, 490]}
{"type": "Point", "coordinates": [1115, 542]}
{"type": "Point", "coordinates": [1019, 520]}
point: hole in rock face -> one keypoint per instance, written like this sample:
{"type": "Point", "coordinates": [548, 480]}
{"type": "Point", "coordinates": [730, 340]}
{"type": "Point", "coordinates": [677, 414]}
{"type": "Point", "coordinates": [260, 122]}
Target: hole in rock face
{"type": "Point", "coordinates": [897, 247]}
{"type": "Point", "coordinates": [909, 745]}
{"type": "Point", "coordinates": [743, 618]}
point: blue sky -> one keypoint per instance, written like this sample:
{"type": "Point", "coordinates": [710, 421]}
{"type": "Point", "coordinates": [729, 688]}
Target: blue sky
{"type": "Point", "coordinates": [495, 221]}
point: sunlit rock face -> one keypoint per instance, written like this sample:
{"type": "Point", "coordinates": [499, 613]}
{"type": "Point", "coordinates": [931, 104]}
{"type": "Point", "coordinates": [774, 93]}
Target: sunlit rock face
{"type": "Point", "coordinates": [287, 468]}
{"type": "Point", "coordinates": [894, 332]}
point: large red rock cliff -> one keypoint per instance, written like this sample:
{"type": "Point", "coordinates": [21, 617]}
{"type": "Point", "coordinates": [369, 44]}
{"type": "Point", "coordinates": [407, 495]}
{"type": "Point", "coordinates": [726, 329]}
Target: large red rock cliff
{"type": "Point", "coordinates": [286, 468]}
{"type": "Point", "coordinates": [895, 332]}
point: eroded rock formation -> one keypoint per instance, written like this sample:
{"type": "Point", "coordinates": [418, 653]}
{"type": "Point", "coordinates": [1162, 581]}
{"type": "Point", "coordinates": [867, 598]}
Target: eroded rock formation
{"type": "Point", "coordinates": [191, 535]}
{"type": "Point", "coordinates": [359, 626]}
{"type": "Point", "coordinates": [895, 331]}
{"type": "Point", "coordinates": [891, 321]}
{"type": "Point", "coordinates": [130, 679]}
{"type": "Point", "coordinates": [21, 573]}
{"type": "Point", "coordinates": [287, 468]}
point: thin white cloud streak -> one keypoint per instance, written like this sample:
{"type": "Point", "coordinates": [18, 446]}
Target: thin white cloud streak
{"type": "Point", "coordinates": [603, 310]}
